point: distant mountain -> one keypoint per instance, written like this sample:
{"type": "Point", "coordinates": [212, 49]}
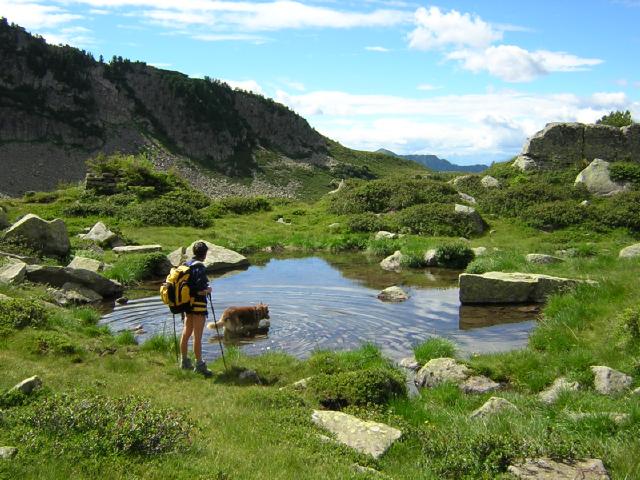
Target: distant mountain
{"type": "Point", "coordinates": [435, 163]}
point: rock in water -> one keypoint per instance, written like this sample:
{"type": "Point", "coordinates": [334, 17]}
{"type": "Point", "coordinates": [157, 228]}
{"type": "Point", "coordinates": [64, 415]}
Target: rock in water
{"type": "Point", "coordinates": [393, 294]}
{"type": "Point", "coordinates": [47, 237]}
{"type": "Point", "coordinates": [371, 438]}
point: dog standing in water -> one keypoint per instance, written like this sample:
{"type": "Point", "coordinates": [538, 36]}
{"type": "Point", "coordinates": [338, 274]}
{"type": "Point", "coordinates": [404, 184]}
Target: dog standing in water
{"type": "Point", "coordinates": [241, 321]}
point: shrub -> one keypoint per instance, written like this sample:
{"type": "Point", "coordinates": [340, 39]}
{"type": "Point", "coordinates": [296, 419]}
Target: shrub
{"type": "Point", "coordinates": [554, 215]}
{"type": "Point", "coordinates": [18, 313]}
{"type": "Point", "coordinates": [620, 211]}
{"type": "Point", "coordinates": [167, 212]}
{"type": "Point", "coordinates": [625, 172]}
{"type": "Point", "coordinates": [56, 343]}
{"type": "Point", "coordinates": [348, 170]}
{"type": "Point", "coordinates": [190, 196]}
{"type": "Point", "coordinates": [434, 348]}
{"type": "Point", "coordinates": [243, 205]}
{"type": "Point", "coordinates": [629, 324]}
{"type": "Point", "coordinates": [132, 268]}
{"type": "Point", "coordinates": [359, 387]}
{"type": "Point", "coordinates": [454, 255]}
{"type": "Point", "coordinates": [364, 222]}
{"type": "Point", "coordinates": [616, 119]}
{"type": "Point", "coordinates": [436, 220]}
{"type": "Point", "coordinates": [98, 425]}
{"type": "Point", "coordinates": [382, 247]}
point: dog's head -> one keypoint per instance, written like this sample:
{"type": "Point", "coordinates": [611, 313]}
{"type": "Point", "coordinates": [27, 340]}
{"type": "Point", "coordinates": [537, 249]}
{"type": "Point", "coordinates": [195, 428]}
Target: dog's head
{"type": "Point", "coordinates": [262, 310]}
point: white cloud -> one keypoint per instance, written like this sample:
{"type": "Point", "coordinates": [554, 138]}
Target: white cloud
{"type": "Point", "coordinates": [435, 29]}
{"type": "Point", "coordinates": [159, 64]}
{"type": "Point", "coordinates": [33, 15]}
{"type": "Point", "coordinates": [377, 49]}
{"type": "Point", "coordinates": [427, 87]}
{"type": "Point", "coordinates": [74, 36]}
{"type": "Point", "coordinates": [247, 85]}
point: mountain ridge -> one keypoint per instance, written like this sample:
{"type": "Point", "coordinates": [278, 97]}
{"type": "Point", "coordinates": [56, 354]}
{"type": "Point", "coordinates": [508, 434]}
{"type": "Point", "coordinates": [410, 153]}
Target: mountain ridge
{"type": "Point", "coordinates": [436, 163]}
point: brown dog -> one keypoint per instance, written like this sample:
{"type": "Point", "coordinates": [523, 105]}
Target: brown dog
{"type": "Point", "coordinates": [241, 321]}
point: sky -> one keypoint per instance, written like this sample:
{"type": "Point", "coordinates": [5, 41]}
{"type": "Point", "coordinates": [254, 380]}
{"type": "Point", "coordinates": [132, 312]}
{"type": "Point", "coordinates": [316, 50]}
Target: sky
{"type": "Point", "coordinates": [465, 80]}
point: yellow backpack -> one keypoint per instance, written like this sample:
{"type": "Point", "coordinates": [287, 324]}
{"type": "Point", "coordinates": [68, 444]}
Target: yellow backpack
{"type": "Point", "coordinates": [175, 291]}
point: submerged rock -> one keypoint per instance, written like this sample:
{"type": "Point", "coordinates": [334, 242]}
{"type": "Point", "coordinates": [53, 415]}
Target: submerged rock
{"type": "Point", "coordinates": [393, 294]}
{"type": "Point", "coordinates": [366, 437]}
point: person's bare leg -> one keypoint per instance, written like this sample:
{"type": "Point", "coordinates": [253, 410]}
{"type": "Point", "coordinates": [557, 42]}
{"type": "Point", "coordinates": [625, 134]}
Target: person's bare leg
{"type": "Point", "coordinates": [198, 327]}
{"type": "Point", "coordinates": [186, 333]}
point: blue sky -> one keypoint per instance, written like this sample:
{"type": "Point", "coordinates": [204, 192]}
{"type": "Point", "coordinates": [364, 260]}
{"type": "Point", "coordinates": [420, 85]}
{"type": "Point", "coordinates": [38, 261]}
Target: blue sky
{"type": "Point", "coordinates": [468, 81]}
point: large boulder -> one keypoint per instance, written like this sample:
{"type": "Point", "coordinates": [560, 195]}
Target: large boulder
{"type": "Point", "coordinates": [604, 141]}
{"type": "Point", "coordinates": [558, 144]}
{"type": "Point", "coordinates": [59, 276]}
{"type": "Point", "coordinates": [631, 135]}
{"type": "Point", "coordinates": [218, 258]}
{"type": "Point", "coordinates": [501, 287]}
{"type": "Point", "coordinates": [472, 215]}
{"type": "Point", "coordinates": [371, 438]}
{"type": "Point", "coordinates": [47, 237]}
{"type": "Point", "coordinates": [597, 180]}
{"type": "Point", "coordinates": [101, 235]}
{"type": "Point", "coordinates": [14, 272]}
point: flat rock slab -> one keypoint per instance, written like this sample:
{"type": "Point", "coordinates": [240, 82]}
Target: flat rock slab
{"type": "Point", "coordinates": [58, 276]}
{"type": "Point", "coordinates": [609, 381]}
{"type": "Point", "coordinates": [218, 258]}
{"type": "Point", "coordinates": [27, 385]}
{"type": "Point", "coordinates": [502, 287]}
{"type": "Point", "coordinates": [547, 469]}
{"type": "Point", "coordinates": [479, 384]}
{"type": "Point", "coordinates": [393, 294]}
{"type": "Point", "coordinates": [14, 272]}
{"type": "Point", "coordinates": [542, 259]}
{"type": "Point", "coordinates": [87, 264]}
{"type": "Point", "coordinates": [137, 249]}
{"type": "Point", "coordinates": [440, 370]}
{"type": "Point", "coordinates": [551, 394]}
{"type": "Point", "coordinates": [7, 453]}
{"type": "Point", "coordinates": [632, 251]}
{"type": "Point", "coordinates": [371, 438]}
{"type": "Point", "coordinates": [492, 406]}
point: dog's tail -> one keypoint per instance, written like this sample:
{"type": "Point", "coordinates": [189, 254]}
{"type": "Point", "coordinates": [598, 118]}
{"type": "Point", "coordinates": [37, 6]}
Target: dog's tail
{"type": "Point", "coordinates": [212, 325]}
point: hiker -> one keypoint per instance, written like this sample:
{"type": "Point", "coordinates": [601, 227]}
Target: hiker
{"type": "Point", "coordinates": [197, 312]}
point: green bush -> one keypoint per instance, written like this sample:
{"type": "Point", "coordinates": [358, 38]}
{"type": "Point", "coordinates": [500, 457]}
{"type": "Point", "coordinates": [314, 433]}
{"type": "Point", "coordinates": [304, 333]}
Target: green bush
{"type": "Point", "coordinates": [619, 211]}
{"type": "Point", "coordinates": [434, 348]}
{"type": "Point", "coordinates": [454, 255]}
{"type": "Point", "coordinates": [19, 313]}
{"type": "Point", "coordinates": [629, 324]}
{"type": "Point", "coordinates": [364, 222]}
{"type": "Point", "coordinates": [359, 387]}
{"type": "Point", "coordinates": [616, 119]}
{"type": "Point", "coordinates": [435, 220]}
{"type": "Point", "coordinates": [555, 215]}
{"type": "Point", "coordinates": [329, 362]}
{"type": "Point", "coordinates": [348, 170]}
{"type": "Point", "coordinates": [132, 268]}
{"type": "Point", "coordinates": [99, 426]}
{"type": "Point", "coordinates": [56, 343]}
{"type": "Point", "coordinates": [625, 172]}
{"type": "Point", "coordinates": [167, 212]}
{"type": "Point", "coordinates": [190, 196]}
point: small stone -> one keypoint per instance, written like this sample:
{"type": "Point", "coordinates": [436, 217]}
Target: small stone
{"type": "Point", "coordinates": [467, 198]}
{"type": "Point", "coordinates": [479, 251]}
{"type": "Point", "coordinates": [334, 227]}
{"type": "Point", "coordinates": [636, 391]}
{"type": "Point", "coordinates": [7, 453]}
{"type": "Point", "coordinates": [28, 385]}
{"type": "Point", "coordinates": [551, 394]}
{"type": "Point", "coordinates": [441, 370]}
{"type": "Point", "coordinates": [547, 469]}
{"type": "Point", "coordinates": [393, 294]}
{"type": "Point", "coordinates": [392, 262]}
{"type": "Point", "coordinates": [609, 381]}
{"type": "Point", "coordinates": [122, 300]}
{"type": "Point", "coordinates": [542, 259]}
{"type": "Point", "coordinates": [479, 384]}
{"type": "Point", "coordinates": [489, 182]}
{"type": "Point", "coordinates": [430, 258]}
{"type": "Point", "coordinates": [370, 472]}
{"type": "Point", "coordinates": [384, 234]}
{"type": "Point", "coordinates": [492, 406]}
{"type": "Point", "coordinates": [410, 363]}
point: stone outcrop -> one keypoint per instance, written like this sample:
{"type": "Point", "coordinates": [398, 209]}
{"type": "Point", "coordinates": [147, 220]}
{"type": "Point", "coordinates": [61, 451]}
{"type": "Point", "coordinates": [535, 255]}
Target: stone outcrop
{"type": "Point", "coordinates": [597, 180]}
{"type": "Point", "coordinates": [609, 381]}
{"type": "Point", "coordinates": [441, 370]}
{"type": "Point", "coordinates": [493, 406]}
{"type": "Point", "coordinates": [392, 262]}
{"type": "Point", "coordinates": [561, 145]}
{"type": "Point", "coordinates": [393, 294]}
{"type": "Point", "coordinates": [472, 215]}
{"type": "Point", "coordinates": [632, 251]}
{"type": "Point", "coordinates": [548, 469]}
{"type": "Point", "coordinates": [74, 294]}
{"type": "Point", "coordinates": [371, 438]}
{"type": "Point", "coordinates": [101, 235]}
{"type": "Point", "coordinates": [14, 272]}
{"type": "Point", "coordinates": [59, 276]}
{"type": "Point", "coordinates": [501, 287]}
{"type": "Point", "coordinates": [47, 237]}
{"type": "Point", "coordinates": [218, 258]}
{"type": "Point", "coordinates": [551, 394]}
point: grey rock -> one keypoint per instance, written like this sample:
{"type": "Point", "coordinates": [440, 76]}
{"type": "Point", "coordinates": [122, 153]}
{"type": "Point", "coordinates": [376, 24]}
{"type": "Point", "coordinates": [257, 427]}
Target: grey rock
{"type": "Point", "coordinates": [58, 276]}
{"type": "Point", "coordinates": [489, 182]}
{"type": "Point", "coordinates": [283, 221]}
{"type": "Point", "coordinates": [341, 185]}
{"type": "Point", "coordinates": [22, 258]}
{"type": "Point", "coordinates": [551, 394]}
{"type": "Point", "coordinates": [440, 370]}
{"type": "Point", "coordinates": [430, 258]}
{"type": "Point", "coordinates": [371, 438]}
{"type": "Point", "coordinates": [74, 293]}
{"type": "Point", "coordinates": [492, 406]}
{"type": "Point", "coordinates": [127, 249]}
{"type": "Point", "coordinates": [7, 453]}
{"type": "Point", "coordinates": [13, 273]}
{"type": "Point", "coordinates": [218, 258]}
{"type": "Point", "coordinates": [87, 264]}
{"type": "Point", "coordinates": [597, 180]}
{"type": "Point", "coordinates": [585, 203]}
{"type": "Point", "coordinates": [604, 141]}
{"type": "Point", "coordinates": [300, 385]}
{"type": "Point", "coordinates": [636, 391]}
{"type": "Point", "coordinates": [393, 294]}
{"type": "Point", "coordinates": [369, 472]}
{"type": "Point", "coordinates": [384, 234]}
{"type": "Point", "coordinates": [631, 134]}
{"type": "Point", "coordinates": [616, 417]}
{"type": "Point", "coordinates": [609, 381]}
{"type": "Point", "coordinates": [548, 469]}
{"type": "Point", "coordinates": [479, 384]}
{"type": "Point", "coordinates": [101, 235]}
{"type": "Point", "coordinates": [27, 385]}
{"type": "Point", "coordinates": [479, 251]}
{"type": "Point", "coordinates": [410, 363]}
{"type": "Point", "coordinates": [525, 163]}
{"type": "Point", "coordinates": [502, 287]}
{"type": "Point", "coordinates": [470, 212]}
{"type": "Point", "coordinates": [632, 251]}
{"type": "Point", "coordinates": [4, 298]}
{"type": "Point", "coordinates": [392, 262]}
{"type": "Point", "coordinates": [250, 376]}
{"type": "Point", "coordinates": [177, 257]}
{"type": "Point", "coordinates": [542, 259]}
{"type": "Point", "coordinates": [467, 198]}
{"type": "Point", "coordinates": [557, 145]}
{"type": "Point", "coordinates": [47, 237]}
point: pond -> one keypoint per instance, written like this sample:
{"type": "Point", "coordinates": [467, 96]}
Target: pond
{"type": "Point", "coordinates": [330, 302]}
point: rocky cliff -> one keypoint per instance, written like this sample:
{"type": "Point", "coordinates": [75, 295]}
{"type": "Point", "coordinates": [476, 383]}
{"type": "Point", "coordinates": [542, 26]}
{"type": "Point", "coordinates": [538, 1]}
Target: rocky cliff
{"type": "Point", "coordinates": [59, 106]}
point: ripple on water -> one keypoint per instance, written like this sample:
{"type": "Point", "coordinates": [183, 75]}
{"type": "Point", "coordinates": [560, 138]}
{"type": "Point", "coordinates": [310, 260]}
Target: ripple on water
{"type": "Point", "coordinates": [315, 305]}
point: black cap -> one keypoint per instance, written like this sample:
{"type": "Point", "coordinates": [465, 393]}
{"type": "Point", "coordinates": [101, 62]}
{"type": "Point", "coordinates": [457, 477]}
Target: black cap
{"type": "Point", "coordinates": [200, 249]}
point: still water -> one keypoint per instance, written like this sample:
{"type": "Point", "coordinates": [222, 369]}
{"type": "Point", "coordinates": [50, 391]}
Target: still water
{"type": "Point", "coordinates": [330, 302]}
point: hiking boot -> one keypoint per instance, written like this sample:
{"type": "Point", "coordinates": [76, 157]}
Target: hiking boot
{"type": "Point", "coordinates": [201, 368]}
{"type": "Point", "coordinates": [186, 364]}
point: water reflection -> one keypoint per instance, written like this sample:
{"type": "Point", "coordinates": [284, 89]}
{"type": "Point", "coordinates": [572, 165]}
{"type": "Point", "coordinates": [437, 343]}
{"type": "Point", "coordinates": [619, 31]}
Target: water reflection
{"type": "Point", "coordinates": [330, 302]}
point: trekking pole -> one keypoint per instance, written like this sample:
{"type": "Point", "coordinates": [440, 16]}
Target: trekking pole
{"type": "Point", "coordinates": [175, 336]}
{"type": "Point", "coordinates": [215, 323]}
